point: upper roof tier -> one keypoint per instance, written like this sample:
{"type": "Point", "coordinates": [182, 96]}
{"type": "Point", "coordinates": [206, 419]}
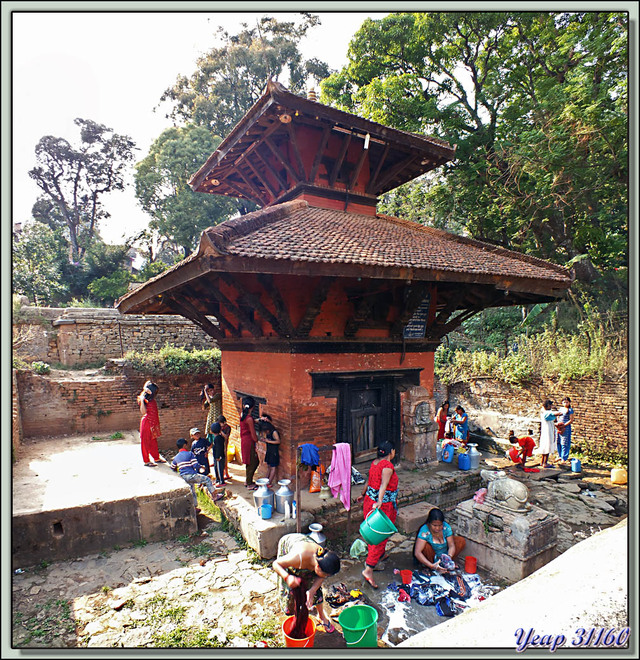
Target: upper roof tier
{"type": "Point", "coordinates": [290, 147]}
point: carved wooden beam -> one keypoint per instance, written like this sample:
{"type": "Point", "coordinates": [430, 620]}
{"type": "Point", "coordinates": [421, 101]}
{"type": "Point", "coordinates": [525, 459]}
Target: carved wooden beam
{"type": "Point", "coordinates": [268, 187]}
{"type": "Point", "coordinates": [340, 160]}
{"type": "Point", "coordinates": [391, 173]}
{"type": "Point", "coordinates": [412, 295]}
{"type": "Point", "coordinates": [283, 161]}
{"type": "Point", "coordinates": [243, 193]}
{"type": "Point", "coordinates": [374, 178]}
{"type": "Point", "coordinates": [314, 306]}
{"type": "Point", "coordinates": [236, 310]}
{"type": "Point", "coordinates": [296, 151]}
{"type": "Point", "coordinates": [362, 313]}
{"type": "Point", "coordinates": [282, 313]}
{"type": "Point", "coordinates": [253, 300]}
{"type": "Point", "coordinates": [356, 171]}
{"type": "Point", "coordinates": [318, 158]}
{"type": "Point", "coordinates": [186, 309]}
{"type": "Point", "coordinates": [271, 170]}
{"type": "Point", "coordinates": [441, 330]}
{"type": "Point", "coordinates": [251, 184]}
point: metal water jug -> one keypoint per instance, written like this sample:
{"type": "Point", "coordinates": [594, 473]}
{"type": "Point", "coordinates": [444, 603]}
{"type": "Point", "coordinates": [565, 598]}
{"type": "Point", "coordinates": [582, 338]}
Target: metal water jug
{"type": "Point", "coordinates": [474, 456]}
{"type": "Point", "coordinates": [264, 494]}
{"type": "Point", "coordinates": [284, 494]}
{"type": "Point", "coordinates": [315, 533]}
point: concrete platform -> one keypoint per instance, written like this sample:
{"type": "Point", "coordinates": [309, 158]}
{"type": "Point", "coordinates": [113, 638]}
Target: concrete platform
{"type": "Point", "coordinates": [75, 495]}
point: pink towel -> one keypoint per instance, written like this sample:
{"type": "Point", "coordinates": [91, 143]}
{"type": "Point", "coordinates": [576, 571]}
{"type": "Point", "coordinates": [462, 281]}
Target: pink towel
{"type": "Point", "coordinates": [340, 473]}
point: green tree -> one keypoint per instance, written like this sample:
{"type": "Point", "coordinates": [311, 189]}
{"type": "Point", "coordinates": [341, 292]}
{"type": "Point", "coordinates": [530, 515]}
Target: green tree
{"type": "Point", "coordinates": [74, 179]}
{"type": "Point", "coordinates": [230, 78]}
{"type": "Point", "coordinates": [178, 214]}
{"type": "Point", "coordinates": [536, 104]}
{"type": "Point", "coordinates": [36, 269]}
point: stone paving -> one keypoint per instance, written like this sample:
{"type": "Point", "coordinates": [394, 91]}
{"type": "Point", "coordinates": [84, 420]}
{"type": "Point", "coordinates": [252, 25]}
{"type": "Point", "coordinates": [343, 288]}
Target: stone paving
{"type": "Point", "coordinates": [208, 590]}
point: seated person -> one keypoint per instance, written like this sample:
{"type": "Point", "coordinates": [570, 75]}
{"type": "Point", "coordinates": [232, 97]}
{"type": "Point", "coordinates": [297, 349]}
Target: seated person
{"type": "Point", "coordinates": [527, 445]}
{"type": "Point", "coordinates": [434, 539]}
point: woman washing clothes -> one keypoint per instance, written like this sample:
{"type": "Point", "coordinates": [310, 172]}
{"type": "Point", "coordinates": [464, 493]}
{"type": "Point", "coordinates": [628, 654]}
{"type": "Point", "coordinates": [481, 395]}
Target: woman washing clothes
{"type": "Point", "coordinates": [381, 492]}
{"type": "Point", "coordinates": [434, 539]}
{"type": "Point", "coordinates": [302, 562]}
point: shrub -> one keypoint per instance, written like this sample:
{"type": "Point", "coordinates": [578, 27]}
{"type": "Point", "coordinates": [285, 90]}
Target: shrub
{"type": "Point", "coordinates": [40, 367]}
{"type": "Point", "coordinates": [172, 360]}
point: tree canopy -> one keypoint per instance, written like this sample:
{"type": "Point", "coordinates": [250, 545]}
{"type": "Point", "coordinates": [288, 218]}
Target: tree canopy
{"type": "Point", "coordinates": [177, 213]}
{"type": "Point", "coordinates": [536, 104]}
{"type": "Point", "coordinates": [230, 78]}
{"type": "Point", "coordinates": [74, 180]}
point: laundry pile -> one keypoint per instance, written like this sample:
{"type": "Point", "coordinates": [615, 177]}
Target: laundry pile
{"type": "Point", "coordinates": [339, 595]}
{"type": "Point", "coordinates": [450, 593]}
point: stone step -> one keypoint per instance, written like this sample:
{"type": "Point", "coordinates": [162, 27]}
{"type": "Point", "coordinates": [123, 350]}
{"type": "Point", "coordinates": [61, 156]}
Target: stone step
{"type": "Point", "coordinates": [411, 518]}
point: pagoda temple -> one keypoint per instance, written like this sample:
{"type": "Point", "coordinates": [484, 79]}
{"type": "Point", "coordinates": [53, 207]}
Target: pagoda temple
{"type": "Point", "coordinates": [325, 311]}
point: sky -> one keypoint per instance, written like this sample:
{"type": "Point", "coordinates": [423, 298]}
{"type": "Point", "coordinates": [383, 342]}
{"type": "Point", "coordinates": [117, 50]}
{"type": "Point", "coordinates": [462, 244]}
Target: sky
{"type": "Point", "coordinates": [112, 67]}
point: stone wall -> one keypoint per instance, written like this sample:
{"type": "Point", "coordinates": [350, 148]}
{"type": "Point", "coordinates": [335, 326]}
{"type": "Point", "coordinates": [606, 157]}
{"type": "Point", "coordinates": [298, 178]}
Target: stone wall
{"type": "Point", "coordinates": [601, 408]}
{"type": "Point", "coordinates": [74, 335]}
{"type": "Point", "coordinates": [74, 404]}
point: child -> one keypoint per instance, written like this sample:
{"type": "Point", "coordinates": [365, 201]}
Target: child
{"type": "Point", "coordinates": [527, 445]}
{"type": "Point", "coordinates": [200, 449]}
{"type": "Point", "coordinates": [219, 453]}
{"type": "Point", "coordinates": [271, 438]}
{"type": "Point", "coordinates": [225, 431]}
{"type": "Point", "coordinates": [563, 427]}
{"type": "Point", "coordinates": [191, 471]}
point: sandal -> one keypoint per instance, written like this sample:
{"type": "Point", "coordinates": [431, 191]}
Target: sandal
{"type": "Point", "coordinates": [370, 582]}
{"type": "Point", "coordinates": [328, 627]}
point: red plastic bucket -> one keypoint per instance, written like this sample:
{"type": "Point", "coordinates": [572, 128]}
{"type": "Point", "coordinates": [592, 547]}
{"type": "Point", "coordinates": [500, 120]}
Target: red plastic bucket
{"type": "Point", "coordinates": [470, 564]}
{"type": "Point", "coordinates": [309, 631]}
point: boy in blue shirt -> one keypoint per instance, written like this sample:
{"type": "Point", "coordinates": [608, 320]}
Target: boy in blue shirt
{"type": "Point", "coordinates": [219, 453]}
{"type": "Point", "coordinates": [189, 469]}
{"type": "Point", "coordinates": [200, 449]}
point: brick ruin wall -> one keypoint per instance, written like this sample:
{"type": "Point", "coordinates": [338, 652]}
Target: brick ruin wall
{"type": "Point", "coordinates": [74, 336]}
{"type": "Point", "coordinates": [98, 405]}
{"type": "Point", "coordinates": [600, 408]}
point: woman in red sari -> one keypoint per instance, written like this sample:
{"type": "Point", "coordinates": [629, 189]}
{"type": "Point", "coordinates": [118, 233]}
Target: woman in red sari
{"type": "Point", "coordinates": [441, 419]}
{"type": "Point", "coordinates": [149, 425]}
{"type": "Point", "coordinates": [381, 492]}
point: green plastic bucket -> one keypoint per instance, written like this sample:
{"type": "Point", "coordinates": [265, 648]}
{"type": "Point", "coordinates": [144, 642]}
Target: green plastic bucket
{"type": "Point", "coordinates": [359, 625]}
{"type": "Point", "coordinates": [377, 527]}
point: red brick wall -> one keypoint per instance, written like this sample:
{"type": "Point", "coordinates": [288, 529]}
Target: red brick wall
{"type": "Point", "coordinates": [54, 407]}
{"type": "Point", "coordinates": [284, 380]}
{"type": "Point", "coordinates": [601, 408]}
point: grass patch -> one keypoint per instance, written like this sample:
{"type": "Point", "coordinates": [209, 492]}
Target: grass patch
{"type": "Point", "coordinates": [269, 631]}
{"type": "Point", "coordinates": [118, 435]}
{"type": "Point", "coordinates": [182, 637]}
{"type": "Point", "coordinates": [140, 543]}
{"type": "Point", "coordinates": [207, 506]}
{"type": "Point", "coordinates": [52, 620]}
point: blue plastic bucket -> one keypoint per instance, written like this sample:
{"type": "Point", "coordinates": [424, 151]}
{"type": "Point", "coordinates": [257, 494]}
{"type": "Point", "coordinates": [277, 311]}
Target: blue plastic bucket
{"type": "Point", "coordinates": [576, 466]}
{"type": "Point", "coordinates": [447, 453]}
{"type": "Point", "coordinates": [265, 511]}
{"type": "Point", "coordinates": [464, 461]}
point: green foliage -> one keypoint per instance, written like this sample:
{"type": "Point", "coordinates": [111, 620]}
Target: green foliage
{"type": "Point", "coordinates": [52, 621]}
{"type": "Point", "coordinates": [208, 507]}
{"type": "Point", "coordinates": [88, 303]}
{"type": "Point", "coordinates": [36, 270]}
{"type": "Point", "coordinates": [118, 435]}
{"type": "Point", "coordinates": [178, 214]}
{"type": "Point", "coordinates": [232, 76]}
{"type": "Point", "coordinates": [536, 104]}
{"type": "Point", "coordinates": [172, 360]}
{"type": "Point", "coordinates": [186, 637]}
{"type": "Point", "coordinates": [107, 289]}
{"type": "Point", "coordinates": [73, 180]}
{"type": "Point", "coordinates": [40, 367]}
{"type": "Point", "coordinates": [269, 631]}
